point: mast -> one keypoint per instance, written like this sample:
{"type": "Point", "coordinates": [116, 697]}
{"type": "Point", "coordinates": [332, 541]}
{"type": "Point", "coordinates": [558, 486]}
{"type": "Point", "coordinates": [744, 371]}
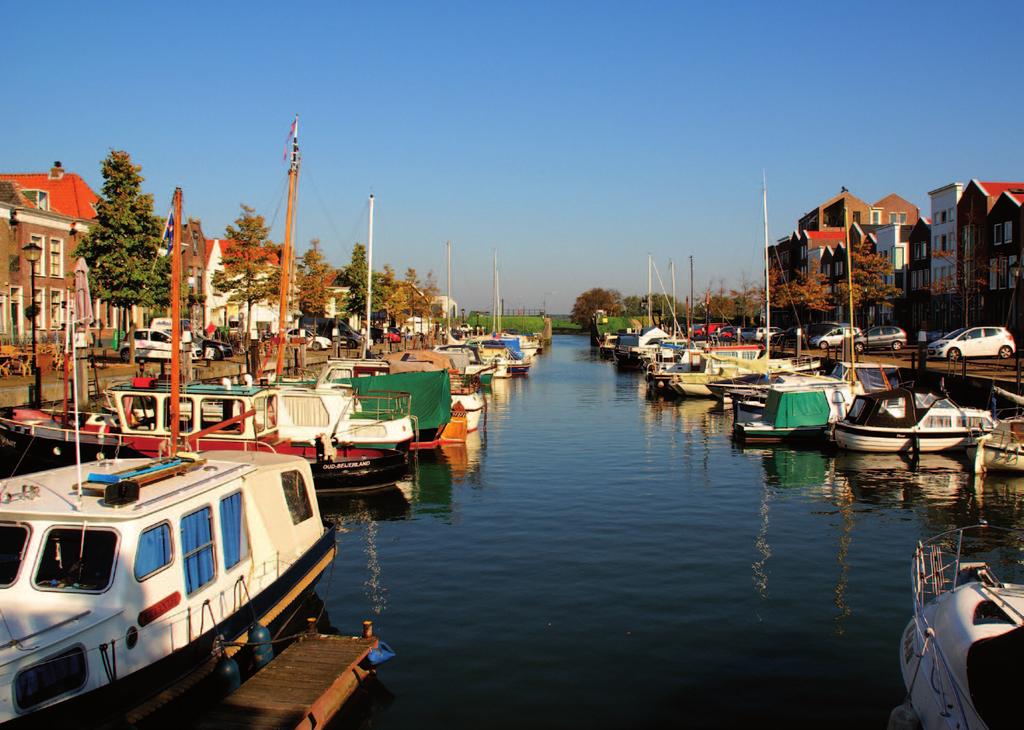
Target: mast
{"type": "Point", "coordinates": [369, 280]}
{"type": "Point", "coordinates": [175, 325]}
{"type": "Point", "coordinates": [650, 315]}
{"type": "Point", "coordinates": [849, 288]}
{"type": "Point", "coordinates": [675, 324]}
{"type": "Point", "coordinates": [448, 296]}
{"type": "Point", "coordinates": [286, 251]}
{"type": "Point", "coordinates": [767, 282]}
{"type": "Point", "coordinates": [494, 294]}
{"type": "Point", "coordinates": [689, 304]}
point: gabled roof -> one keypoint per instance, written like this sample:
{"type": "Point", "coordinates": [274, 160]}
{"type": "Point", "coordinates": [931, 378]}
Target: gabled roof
{"type": "Point", "coordinates": [1015, 195]}
{"type": "Point", "coordinates": [994, 189]}
{"type": "Point", "coordinates": [10, 194]}
{"type": "Point", "coordinates": [836, 235]}
{"type": "Point", "coordinates": [69, 194]}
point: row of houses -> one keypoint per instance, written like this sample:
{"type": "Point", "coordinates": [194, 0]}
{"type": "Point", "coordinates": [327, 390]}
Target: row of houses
{"type": "Point", "coordinates": [54, 210]}
{"type": "Point", "coordinates": [958, 267]}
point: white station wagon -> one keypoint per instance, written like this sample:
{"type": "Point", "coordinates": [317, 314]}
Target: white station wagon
{"type": "Point", "coordinates": [973, 342]}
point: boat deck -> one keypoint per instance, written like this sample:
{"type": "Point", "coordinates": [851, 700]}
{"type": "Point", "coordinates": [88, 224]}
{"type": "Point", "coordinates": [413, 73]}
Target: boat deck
{"type": "Point", "coordinates": [303, 687]}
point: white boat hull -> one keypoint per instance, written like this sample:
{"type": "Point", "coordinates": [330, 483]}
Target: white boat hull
{"type": "Point", "coordinates": [882, 440]}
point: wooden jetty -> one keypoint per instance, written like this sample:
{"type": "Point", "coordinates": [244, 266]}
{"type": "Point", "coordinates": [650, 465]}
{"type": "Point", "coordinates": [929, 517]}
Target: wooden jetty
{"type": "Point", "coordinates": [302, 688]}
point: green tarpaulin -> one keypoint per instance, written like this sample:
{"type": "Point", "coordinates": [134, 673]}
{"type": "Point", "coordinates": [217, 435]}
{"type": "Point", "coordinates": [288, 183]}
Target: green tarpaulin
{"type": "Point", "coordinates": [794, 409]}
{"type": "Point", "coordinates": [431, 393]}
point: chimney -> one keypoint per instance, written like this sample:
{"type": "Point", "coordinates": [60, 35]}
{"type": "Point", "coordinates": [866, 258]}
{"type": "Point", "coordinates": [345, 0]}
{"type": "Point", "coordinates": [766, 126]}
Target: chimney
{"type": "Point", "coordinates": [56, 172]}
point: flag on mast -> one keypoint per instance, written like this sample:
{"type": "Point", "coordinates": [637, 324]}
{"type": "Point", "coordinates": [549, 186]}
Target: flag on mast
{"type": "Point", "coordinates": [169, 231]}
{"type": "Point", "coordinates": [291, 142]}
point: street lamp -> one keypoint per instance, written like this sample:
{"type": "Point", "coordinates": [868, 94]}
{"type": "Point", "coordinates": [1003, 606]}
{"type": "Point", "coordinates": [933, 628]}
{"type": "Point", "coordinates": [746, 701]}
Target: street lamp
{"type": "Point", "coordinates": [33, 252]}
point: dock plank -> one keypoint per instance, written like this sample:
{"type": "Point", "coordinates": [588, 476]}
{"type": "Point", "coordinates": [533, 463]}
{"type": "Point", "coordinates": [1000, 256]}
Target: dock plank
{"type": "Point", "coordinates": [312, 677]}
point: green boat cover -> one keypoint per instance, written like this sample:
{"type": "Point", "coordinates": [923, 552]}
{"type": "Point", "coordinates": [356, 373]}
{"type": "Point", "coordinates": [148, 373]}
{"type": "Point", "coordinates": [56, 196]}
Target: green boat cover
{"type": "Point", "coordinates": [431, 393]}
{"type": "Point", "coordinates": [786, 409]}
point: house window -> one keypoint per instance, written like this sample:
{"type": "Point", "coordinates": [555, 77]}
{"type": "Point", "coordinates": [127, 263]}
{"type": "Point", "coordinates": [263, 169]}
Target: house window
{"type": "Point", "coordinates": [56, 308]}
{"type": "Point", "coordinates": [39, 302]}
{"type": "Point", "coordinates": [897, 258]}
{"type": "Point", "coordinates": [903, 219]}
{"type": "Point", "coordinates": [56, 257]}
{"type": "Point", "coordinates": [876, 216]}
{"type": "Point", "coordinates": [1008, 232]}
{"type": "Point", "coordinates": [197, 547]}
{"type": "Point", "coordinates": [892, 218]}
{"type": "Point", "coordinates": [39, 198]}
{"type": "Point", "coordinates": [942, 215]}
{"type": "Point", "coordinates": [856, 216]}
{"type": "Point", "coordinates": [997, 234]}
{"type": "Point", "coordinates": [39, 266]}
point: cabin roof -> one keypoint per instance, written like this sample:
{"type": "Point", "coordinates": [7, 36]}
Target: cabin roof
{"type": "Point", "coordinates": [52, 495]}
{"type": "Point", "coordinates": [194, 389]}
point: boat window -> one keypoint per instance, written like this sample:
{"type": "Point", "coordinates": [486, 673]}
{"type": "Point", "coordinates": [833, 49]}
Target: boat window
{"type": "Point", "coordinates": [940, 421]}
{"type": "Point", "coordinates": [50, 678]}
{"type": "Point", "coordinates": [266, 413]}
{"type": "Point", "coordinates": [185, 421]}
{"type": "Point", "coordinates": [13, 539]}
{"type": "Point", "coordinates": [894, 407]}
{"type": "Point", "coordinates": [856, 409]}
{"type": "Point", "coordinates": [232, 531]}
{"type": "Point", "coordinates": [197, 547]}
{"type": "Point", "coordinates": [296, 495]}
{"type": "Point", "coordinates": [66, 563]}
{"type": "Point", "coordinates": [140, 410]}
{"type": "Point", "coordinates": [216, 410]}
{"type": "Point", "coordinates": [154, 551]}
{"type": "Point", "coordinates": [307, 411]}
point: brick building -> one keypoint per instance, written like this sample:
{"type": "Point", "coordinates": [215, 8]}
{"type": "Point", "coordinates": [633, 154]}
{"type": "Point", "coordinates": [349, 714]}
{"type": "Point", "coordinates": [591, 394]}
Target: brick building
{"type": "Point", "coordinates": [919, 276]}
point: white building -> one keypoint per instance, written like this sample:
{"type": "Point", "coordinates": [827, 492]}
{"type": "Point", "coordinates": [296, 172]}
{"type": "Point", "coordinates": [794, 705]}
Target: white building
{"type": "Point", "coordinates": [943, 258]}
{"type": "Point", "coordinates": [891, 242]}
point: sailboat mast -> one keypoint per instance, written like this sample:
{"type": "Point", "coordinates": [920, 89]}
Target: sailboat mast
{"type": "Point", "coordinates": [286, 251]}
{"type": "Point", "coordinates": [369, 280]}
{"type": "Point", "coordinates": [849, 289]}
{"type": "Point", "coordinates": [448, 296]}
{"type": "Point", "coordinates": [767, 282]}
{"type": "Point", "coordinates": [675, 323]}
{"type": "Point", "coordinates": [175, 324]}
{"type": "Point", "coordinates": [650, 314]}
{"type": "Point", "coordinates": [690, 303]}
{"type": "Point", "coordinates": [494, 294]}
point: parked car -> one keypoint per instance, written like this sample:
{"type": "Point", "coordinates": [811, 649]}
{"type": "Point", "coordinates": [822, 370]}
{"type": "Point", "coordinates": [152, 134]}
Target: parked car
{"type": "Point", "coordinates": [834, 337]}
{"type": "Point", "coordinates": [728, 333]}
{"type": "Point", "coordinates": [883, 337]}
{"type": "Point", "coordinates": [701, 332]}
{"type": "Point", "coordinates": [212, 349]}
{"type": "Point", "coordinates": [756, 334]}
{"type": "Point", "coordinates": [313, 341]}
{"type": "Point", "coordinates": [152, 344]}
{"type": "Point", "coordinates": [974, 342]}
{"type": "Point", "coordinates": [749, 334]}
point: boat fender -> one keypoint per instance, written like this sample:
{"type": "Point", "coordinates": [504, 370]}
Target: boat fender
{"type": "Point", "coordinates": [380, 654]}
{"type": "Point", "coordinates": [903, 717]}
{"type": "Point", "coordinates": [226, 675]}
{"type": "Point", "coordinates": [263, 649]}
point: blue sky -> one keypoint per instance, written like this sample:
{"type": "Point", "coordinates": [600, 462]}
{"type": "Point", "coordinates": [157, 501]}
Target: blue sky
{"type": "Point", "coordinates": [573, 137]}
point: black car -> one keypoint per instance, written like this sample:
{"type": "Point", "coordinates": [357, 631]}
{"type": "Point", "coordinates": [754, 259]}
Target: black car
{"type": "Point", "coordinates": [213, 349]}
{"type": "Point", "coordinates": [883, 337]}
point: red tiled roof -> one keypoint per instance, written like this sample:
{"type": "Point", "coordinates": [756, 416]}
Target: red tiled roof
{"type": "Point", "coordinates": [826, 235]}
{"type": "Point", "coordinates": [70, 195]}
{"type": "Point", "coordinates": [996, 189]}
{"type": "Point", "coordinates": [1017, 194]}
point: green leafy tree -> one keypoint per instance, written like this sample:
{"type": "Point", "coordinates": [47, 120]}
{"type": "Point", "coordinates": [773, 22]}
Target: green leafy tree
{"type": "Point", "coordinates": [354, 277]}
{"type": "Point", "coordinates": [250, 272]}
{"type": "Point", "coordinates": [869, 274]}
{"type": "Point", "coordinates": [122, 247]}
{"type": "Point", "coordinates": [314, 277]}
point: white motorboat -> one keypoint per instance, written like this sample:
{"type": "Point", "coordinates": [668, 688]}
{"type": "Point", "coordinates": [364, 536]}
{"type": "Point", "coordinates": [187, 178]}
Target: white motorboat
{"type": "Point", "coordinates": [903, 420]}
{"type": "Point", "coordinates": [141, 578]}
{"type": "Point", "coordinates": [960, 651]}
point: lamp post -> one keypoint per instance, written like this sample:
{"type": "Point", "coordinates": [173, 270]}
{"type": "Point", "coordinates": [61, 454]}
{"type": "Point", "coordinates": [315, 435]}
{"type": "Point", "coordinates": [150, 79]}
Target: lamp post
{"type": "Point", "coordinates": [33, 252]}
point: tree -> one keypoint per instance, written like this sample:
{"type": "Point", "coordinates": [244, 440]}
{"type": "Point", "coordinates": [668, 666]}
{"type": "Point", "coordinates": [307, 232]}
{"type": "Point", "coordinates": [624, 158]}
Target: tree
{"type": "Point", "coordinates": [869, 273]}
{"type": "Point", "coordinates": [747, 300]}
{"type": "Point", "coordinates": [251, 272]}
{"type": "Point", "coordinates": [354, 277]}
{"type": "Point", "coordinates": [634, 306]}
{"type": "Point", "coordinates": [314, 276]}
{"type": "Point", "coordinates": [808, 291]}
{"type": "Point", "coordinates": [591, 300]}
{"type": "Point", "coordinates": [721, 305]}
{"type": "Point", "coordinates": [122, 247]}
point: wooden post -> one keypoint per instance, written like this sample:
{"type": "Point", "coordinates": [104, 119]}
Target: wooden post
{"type": "Point", "coordinates": [286, 251]}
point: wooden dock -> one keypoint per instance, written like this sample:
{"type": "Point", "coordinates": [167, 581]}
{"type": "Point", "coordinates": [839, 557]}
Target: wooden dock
{"type": "Point", "coordinates": [303, 687]}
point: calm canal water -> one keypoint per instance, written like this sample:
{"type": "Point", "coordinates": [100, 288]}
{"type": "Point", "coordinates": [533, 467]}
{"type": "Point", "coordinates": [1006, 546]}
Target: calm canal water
{"type": "Point", "coordinates": [599, 560]}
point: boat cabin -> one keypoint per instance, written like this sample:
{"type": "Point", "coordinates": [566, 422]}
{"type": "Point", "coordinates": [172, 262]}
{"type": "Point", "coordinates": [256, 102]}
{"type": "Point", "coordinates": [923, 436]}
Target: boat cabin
{"type": "Point", "coordinates": [903, 408]}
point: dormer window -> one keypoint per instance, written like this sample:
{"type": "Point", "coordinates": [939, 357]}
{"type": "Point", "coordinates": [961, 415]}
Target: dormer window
{"type": "Point", "coordinates": [39, 198]}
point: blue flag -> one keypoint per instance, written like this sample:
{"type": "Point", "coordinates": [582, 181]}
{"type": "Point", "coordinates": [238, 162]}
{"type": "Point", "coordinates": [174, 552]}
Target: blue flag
{"type": "Point", "coordinates": [169, 231]}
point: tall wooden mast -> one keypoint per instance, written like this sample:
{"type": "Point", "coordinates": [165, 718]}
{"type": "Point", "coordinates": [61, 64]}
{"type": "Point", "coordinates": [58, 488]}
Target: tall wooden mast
{"type": "Point", "coordinates": [286, 252]}
{"type": "Point", "coordinates": [176, 323]}
{"type": "Point", "coordinates": [767, 277]}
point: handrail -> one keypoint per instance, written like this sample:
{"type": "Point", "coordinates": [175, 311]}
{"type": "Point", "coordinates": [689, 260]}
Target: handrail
{"type": "Point", "coordinates": [218, 427]}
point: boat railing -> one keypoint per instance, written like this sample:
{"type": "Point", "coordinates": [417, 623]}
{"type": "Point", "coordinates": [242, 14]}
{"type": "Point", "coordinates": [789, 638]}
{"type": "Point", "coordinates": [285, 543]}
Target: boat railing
{"type": "Point", "coordinates": [939, 562]}
{"type": "Point", "coordinates": [383, 405]}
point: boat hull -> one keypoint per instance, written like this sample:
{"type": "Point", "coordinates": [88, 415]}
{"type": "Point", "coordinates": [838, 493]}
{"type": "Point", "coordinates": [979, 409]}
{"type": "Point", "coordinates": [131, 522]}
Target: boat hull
{"type": "Point", "coordinates": [752, 433]}
{"type": "Point", "coordinates": [359, 470]}
{"type": "Point", "coordinates": [884, 440]}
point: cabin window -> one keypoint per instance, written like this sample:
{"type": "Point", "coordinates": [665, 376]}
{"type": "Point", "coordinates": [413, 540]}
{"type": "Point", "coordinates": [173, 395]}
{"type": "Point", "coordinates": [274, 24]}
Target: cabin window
{"type": "Point", "coordinates": [894, 407]}
{"type": "Point", "coordinates": [197, 547]}
{"type": "Point", "coordinates": [940, 421]}
{"type": "Point", "coordinates": [266, 413]}
{"type": "Point", "coordinates": [232, 531]}
{"type": "Point", "coordinates": [307, 411]}
{"type": "Point", "coordinates": [13, 539]}
{"type": "Point", "coordinates": [50, 678]}
{"type": "Point", "coordinates": [68, 564]}
{"type": "Point", "coordinates": [140, 410]}
{"type": "Point", "coordinates": [154, 551]}
{"type": "Point", "coordinates": [185, 420]}
{"type": "Point", "coordinates": [216, 410]}
{"type": "Point", "coordinates": [857, 409]}
{"type": "Point", "coordinates": [297, 496]}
